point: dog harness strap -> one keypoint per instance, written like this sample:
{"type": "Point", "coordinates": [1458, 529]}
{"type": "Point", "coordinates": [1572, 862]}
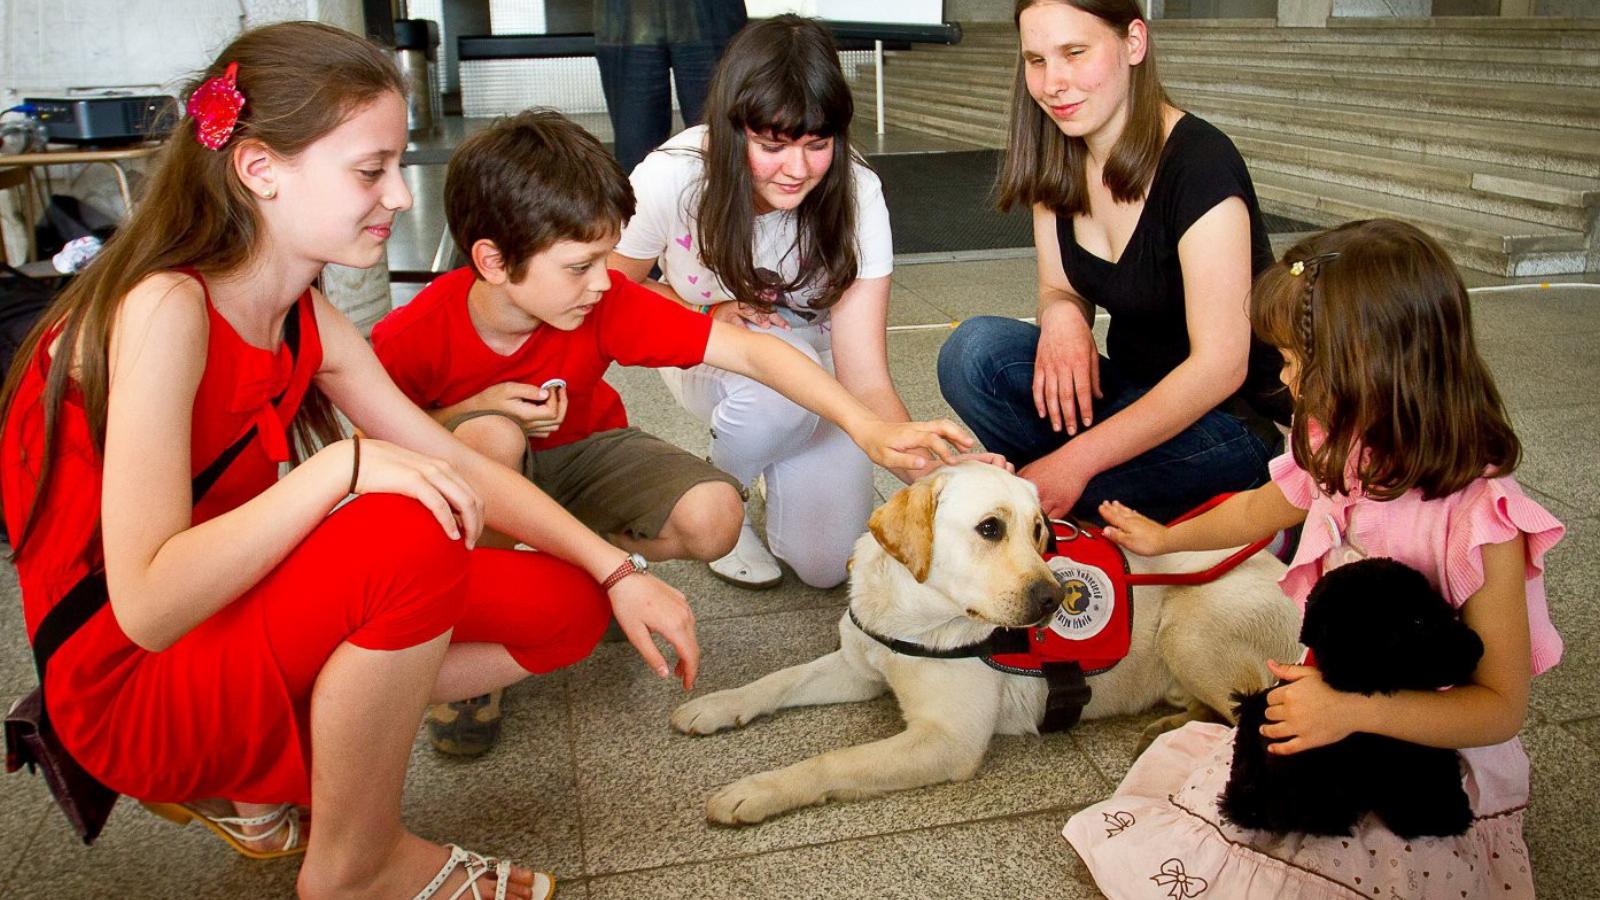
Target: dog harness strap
{"type": "Point", "coordinates": [1068, 694]}
{"type": "Point", "coordinates": [1003, 640]}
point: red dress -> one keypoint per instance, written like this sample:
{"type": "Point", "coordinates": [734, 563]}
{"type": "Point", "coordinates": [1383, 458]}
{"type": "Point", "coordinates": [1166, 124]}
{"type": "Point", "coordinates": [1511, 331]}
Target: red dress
{"type": "Point", "coordinates": [224, 711]}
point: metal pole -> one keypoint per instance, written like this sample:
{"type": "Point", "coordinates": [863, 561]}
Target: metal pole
{"type": "Point", "coordinates": [877, 69]}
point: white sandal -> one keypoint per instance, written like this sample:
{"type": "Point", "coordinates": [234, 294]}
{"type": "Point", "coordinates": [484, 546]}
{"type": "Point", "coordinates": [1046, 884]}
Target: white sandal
{"type": "Point", "coordinates": [750, 565]}
{"type": "Point", "coordinates": [476, 866]}
{"type": "Point", "coordinates": [285, 818]}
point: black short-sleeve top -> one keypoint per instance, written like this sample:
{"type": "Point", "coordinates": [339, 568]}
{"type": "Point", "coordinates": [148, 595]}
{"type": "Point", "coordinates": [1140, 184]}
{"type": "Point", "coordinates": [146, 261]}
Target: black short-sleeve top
{"type": "Point", "coordinates": [1143, 290]}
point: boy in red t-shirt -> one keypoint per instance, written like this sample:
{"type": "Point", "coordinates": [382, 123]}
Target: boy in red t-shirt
{"type": "Point", "coordinates": [510, 351]}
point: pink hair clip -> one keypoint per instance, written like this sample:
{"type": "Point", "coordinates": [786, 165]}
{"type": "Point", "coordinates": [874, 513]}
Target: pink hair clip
{"type": "Point", "coordinates": [215, 107]}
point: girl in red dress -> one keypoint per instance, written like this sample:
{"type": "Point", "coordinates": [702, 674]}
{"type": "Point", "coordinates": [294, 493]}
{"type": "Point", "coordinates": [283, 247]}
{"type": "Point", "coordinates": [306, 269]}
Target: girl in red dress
{"type": "Point", "coordinates": [261, 650]}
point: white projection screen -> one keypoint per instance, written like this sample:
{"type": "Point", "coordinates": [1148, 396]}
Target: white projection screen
{"type": "Point", "coordinates": [899, 12]}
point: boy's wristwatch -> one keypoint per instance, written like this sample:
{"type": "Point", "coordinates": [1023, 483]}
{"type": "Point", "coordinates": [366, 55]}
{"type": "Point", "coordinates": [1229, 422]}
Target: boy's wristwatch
{"type": "Point", "coordinates": [633, 565]}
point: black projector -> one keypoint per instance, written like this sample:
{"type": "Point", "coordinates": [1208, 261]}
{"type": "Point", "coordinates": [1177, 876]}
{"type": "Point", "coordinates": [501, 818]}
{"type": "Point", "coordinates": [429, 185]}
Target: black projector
{"type": "Point", "coordinates": [105, 120]}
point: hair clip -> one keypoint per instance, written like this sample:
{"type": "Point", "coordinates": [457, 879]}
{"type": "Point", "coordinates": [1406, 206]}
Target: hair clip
{"type": "Point", "coordinates": [215, 107]}
{"type": "Point", "coordinates": [1298, 267]}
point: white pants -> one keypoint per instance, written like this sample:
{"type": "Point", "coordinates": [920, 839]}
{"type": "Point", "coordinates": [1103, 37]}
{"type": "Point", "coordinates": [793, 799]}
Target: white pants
{"type": "Point", "coordinates": [819, 483]}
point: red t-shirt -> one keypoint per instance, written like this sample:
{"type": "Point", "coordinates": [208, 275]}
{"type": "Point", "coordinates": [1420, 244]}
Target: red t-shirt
{"type": "Point", "coordinates": [434, 353]}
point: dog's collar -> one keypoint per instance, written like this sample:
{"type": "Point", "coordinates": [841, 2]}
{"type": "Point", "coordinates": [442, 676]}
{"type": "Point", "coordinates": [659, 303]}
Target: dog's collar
{"type": "Point", "coordinates": [1001, 640]}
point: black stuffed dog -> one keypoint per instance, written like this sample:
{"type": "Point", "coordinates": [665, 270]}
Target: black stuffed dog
{"type": "Point", "coordinates": [1373, 625]}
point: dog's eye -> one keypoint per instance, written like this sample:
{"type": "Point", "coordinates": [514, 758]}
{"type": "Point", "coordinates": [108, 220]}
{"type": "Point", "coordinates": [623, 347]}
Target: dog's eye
{"type": "Point", "coordinates": [991, 529]}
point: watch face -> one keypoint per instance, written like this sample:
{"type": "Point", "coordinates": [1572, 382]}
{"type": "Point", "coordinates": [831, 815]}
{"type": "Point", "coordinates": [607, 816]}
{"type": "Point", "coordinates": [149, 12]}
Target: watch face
{"type": "Point", "coordinates": [640, 564]}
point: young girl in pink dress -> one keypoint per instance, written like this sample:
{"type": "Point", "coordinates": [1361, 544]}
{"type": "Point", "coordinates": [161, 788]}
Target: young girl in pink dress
{"type": "Point", "coordinates": [1401, 448]}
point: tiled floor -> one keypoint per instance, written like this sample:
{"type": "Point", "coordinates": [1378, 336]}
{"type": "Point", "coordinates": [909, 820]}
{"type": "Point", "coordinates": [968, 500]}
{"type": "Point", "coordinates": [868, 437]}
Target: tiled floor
{"type": "Point", "coordinates": [591, 782]}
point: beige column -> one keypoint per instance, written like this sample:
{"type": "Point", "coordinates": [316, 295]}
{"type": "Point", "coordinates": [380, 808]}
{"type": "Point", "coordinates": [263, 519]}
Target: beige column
{"type": "Point", "coordinates": [1516, 7]}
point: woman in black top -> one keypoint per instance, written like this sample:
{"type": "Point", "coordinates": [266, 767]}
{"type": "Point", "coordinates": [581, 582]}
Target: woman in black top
{"type": "Point", "coordinates": [1148, 212]}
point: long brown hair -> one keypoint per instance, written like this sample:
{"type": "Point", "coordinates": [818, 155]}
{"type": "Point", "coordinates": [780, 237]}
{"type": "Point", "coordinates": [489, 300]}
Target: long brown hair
{"type": "Point", "coordinates": [779, 76]}
{"type": "Point", "coordinates": [1044, 166]}
{"type": "Point", "coordinates": [1392, 391]}
{"type": "Point", "coordinates": [300, 80]}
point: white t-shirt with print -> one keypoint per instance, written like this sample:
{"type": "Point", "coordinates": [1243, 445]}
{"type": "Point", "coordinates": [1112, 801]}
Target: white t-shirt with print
{"type": "Point", "coordinates": [667, 186]}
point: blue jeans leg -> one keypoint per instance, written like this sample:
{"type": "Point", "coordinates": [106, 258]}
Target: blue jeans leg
{"type": "Point", "coordinates": [986, 375]}
{"type": "Point", "coordinates": [638, 98]}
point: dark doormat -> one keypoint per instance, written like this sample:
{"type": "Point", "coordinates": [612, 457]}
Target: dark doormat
{"type": "Point", "coordinates": [943, 203]}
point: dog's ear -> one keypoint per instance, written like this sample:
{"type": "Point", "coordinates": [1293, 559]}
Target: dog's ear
{"type": "Point", "coordinates": [903, 527]}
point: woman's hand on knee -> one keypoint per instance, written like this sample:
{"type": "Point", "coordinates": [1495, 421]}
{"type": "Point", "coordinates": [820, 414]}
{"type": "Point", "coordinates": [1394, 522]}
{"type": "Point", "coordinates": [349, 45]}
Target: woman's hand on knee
{"type": "Point", "coordinates": [1066, 368]}
{"type": "Point", "coordinates": [645, 605]}
{"type": "Point", "coordinates": [386, 468]}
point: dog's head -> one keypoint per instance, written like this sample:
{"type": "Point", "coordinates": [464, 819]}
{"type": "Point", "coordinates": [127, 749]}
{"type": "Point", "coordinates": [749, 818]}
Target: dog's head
{"type": "Point", "coordinates": [974, 534]}
{"type": "Point", "coordinates": [1378, 625]}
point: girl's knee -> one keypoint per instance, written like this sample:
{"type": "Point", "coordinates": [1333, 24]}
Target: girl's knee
{"type": "Point", "coordinates": [821, 567]}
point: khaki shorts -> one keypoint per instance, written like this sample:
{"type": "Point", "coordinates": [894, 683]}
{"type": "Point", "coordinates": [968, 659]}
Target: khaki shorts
{"type": "Point", "coordinates": [620, 481]}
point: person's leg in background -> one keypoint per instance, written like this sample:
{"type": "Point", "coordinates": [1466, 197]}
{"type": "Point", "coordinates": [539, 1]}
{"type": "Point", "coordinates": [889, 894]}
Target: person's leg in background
{"type": "Point", "coordinates": [692, 67]}
{"type": "Point", "coordinates": [638, 91]}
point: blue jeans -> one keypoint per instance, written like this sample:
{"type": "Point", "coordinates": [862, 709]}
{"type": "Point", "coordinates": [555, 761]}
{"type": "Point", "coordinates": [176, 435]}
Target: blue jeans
{"type": "Point", "coordinates": [636, 83]}
{"type": "Point", "coordinates": [986, 375]}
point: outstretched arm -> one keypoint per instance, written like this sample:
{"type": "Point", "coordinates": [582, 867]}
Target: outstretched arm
{"type": "Point", "coordinates": [789, 372]}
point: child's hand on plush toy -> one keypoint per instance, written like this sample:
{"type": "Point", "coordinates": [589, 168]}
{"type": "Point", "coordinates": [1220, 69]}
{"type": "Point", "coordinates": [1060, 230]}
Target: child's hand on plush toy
{"type": "Point", "coordinates": [1305, 712]}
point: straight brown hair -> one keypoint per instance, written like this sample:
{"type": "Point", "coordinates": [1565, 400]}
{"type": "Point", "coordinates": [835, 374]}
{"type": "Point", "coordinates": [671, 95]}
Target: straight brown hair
{"type": "Point", "coordinates": [1393, 394]}
{"type": "Point", "coordinates": [532, 180]}
{"type": "Point", "coordinates": [300, 80]}
{"type": "Point", "coordinates": [1044, 166]}
{"type": "Point", "coordinates": [779, 76]}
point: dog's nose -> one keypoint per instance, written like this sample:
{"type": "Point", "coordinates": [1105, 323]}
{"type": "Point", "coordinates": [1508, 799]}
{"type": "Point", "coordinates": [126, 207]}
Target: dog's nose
{"type": "Point", "coordinates": [1044, 597]}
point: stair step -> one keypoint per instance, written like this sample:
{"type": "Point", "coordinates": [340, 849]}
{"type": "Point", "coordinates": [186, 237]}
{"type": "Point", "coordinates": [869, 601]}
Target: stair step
{"type": "Point", "coordinates": [1488, 242]}
{"type": "Point", "coordinates": [1570, 107]}
{"type": "Point", "coordinates": [1587, 75]}
{"type": "Point", "coordinates": [1565, 150]}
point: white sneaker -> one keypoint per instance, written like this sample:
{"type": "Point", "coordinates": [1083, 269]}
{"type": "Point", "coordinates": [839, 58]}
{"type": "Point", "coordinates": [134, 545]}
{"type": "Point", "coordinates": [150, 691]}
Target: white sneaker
{"type": "Point", "coordinates": [750, 565]}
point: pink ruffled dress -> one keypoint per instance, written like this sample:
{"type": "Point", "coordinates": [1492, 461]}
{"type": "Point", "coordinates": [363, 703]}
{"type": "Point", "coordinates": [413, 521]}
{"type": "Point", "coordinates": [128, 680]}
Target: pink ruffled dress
{"type": "Point", "coordinates": [1161, 836]}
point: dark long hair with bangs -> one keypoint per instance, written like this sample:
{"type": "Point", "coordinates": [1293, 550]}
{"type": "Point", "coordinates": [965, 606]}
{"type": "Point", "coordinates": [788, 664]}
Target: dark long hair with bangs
{"type": "Point", "coordinates": [1392, 393]}
{"type": "Point", "coordinates": [1045, 166]}
{"type": "Point", "coordinates": [300, 81]}
{"type": "Point", "coordinates": [779, 76]}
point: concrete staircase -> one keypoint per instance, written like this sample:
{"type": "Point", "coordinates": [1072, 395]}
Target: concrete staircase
{"type": "Point", "coordinates": [1483, 132]}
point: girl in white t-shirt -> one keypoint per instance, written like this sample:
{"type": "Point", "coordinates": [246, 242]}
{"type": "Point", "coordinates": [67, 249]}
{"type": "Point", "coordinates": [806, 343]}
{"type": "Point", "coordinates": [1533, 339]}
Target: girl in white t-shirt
{"type": "Point", "coordinates": [765, 215]}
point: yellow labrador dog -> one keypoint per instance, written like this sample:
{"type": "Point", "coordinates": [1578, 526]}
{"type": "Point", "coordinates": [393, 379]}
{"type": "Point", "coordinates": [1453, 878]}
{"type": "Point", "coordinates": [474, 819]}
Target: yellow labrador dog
{"type": "Point", "coordinates": [948, 560]}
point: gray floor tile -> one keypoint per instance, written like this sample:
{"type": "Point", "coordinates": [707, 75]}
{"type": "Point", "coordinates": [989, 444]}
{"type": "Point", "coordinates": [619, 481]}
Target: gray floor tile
{"type": "Point", "coordinates": [1535, 312]}
{"type": "Point", "coordinates": [140, 856]}
{"type": "Point", "coordinates": [644, 786]}
{"type": "Point", "coordinates": [962, 300]}
{"type": "Point", "coordinates": [1562, 826]}
{"type": "Point", "coordinates": [1560, 458]}
{"type": "Point", "coordinates": [518, 800]}
{"type": "Point", "coordinates": [969, 275]}
{"type": "Point", "coordinates": [1587, 731]}
{"type": "Point", "coordinates": [1109, 743]}
{"type": "Point", "coordinates": [907, 307]}
{"type": "Point", "coordinates": [1571, 690]}
{"type": "Point", "coordinates": [1023, 857]}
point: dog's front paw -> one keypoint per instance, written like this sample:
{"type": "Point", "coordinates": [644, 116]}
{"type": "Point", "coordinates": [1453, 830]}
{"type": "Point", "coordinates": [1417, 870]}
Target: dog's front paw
{"type": "Point", "coordinates": [750, 800]}
{"type": "Point", "coordinates": [709, 714]}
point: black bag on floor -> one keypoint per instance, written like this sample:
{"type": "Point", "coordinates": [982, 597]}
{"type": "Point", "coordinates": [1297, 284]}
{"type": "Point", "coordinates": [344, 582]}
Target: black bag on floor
{"type": "Point", "coordinates": [22, 301]}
